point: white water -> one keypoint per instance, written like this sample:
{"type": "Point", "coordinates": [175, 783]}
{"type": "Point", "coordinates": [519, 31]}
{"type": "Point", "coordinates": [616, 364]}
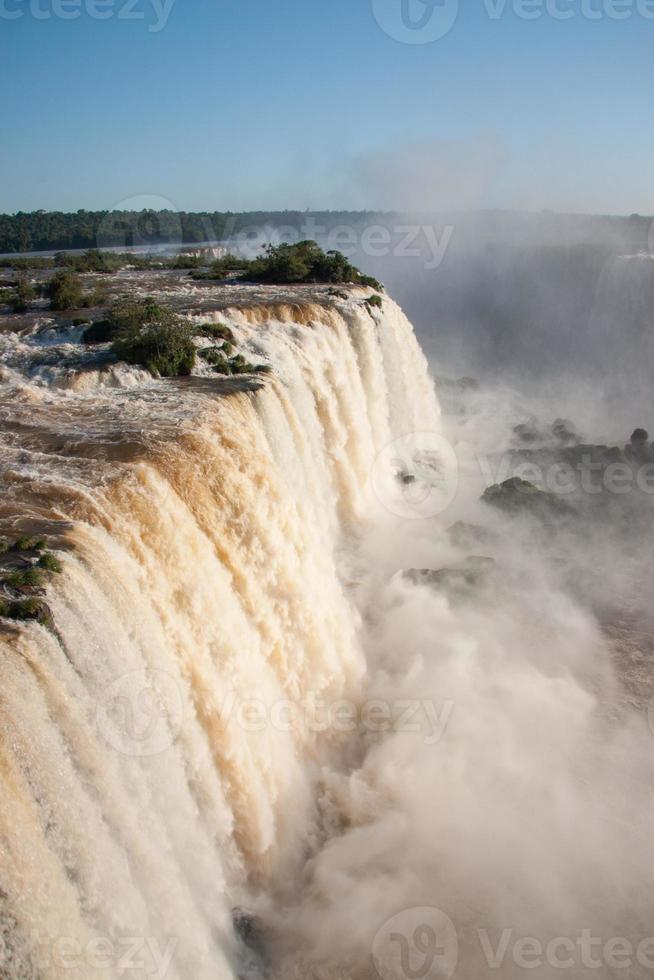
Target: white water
{"type": "Point", "coordinates": [165, 758]}
{"type": "Point", "coordinates": [209, 569]}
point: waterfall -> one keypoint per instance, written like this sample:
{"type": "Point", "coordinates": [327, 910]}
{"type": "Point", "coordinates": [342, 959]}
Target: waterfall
{"type": "Point", "coordinates": [247, 744]}
{"type": "Point", "coordinates": [154, 770]}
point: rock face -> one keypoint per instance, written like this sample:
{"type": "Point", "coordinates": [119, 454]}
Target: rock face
{"type": "Point", "coordinates": [469, 575]}
{"type": "Point", "coordinates": [640, 449]}
{"type": "Point", "coordinates": [560, 433]}
{"type": "Point", "coordinates": [25, 565]}
{"type": "Point", "coordinates": [639, 437]}
{"type": "Point", "coordinates": [467, 536]}
{"type": "Point", "coordinates": [516, 496]}
{"type": "Point", "coordinates": [251, 934]}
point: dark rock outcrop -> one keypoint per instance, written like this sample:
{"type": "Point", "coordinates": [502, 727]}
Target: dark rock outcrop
{"type": "Point", "coordinates": [518, 497]}
{"type": "Point", "coordinates": [470, 574]}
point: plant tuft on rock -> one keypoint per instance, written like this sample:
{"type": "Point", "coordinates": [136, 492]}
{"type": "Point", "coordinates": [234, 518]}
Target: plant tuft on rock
{"type": "Point", "coordinates": [49, 562]}
{"type": "Point", "coordinates": [25, 577]}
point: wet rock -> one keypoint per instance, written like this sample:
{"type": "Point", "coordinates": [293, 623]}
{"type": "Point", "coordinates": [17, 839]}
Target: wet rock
{"type": "Point", "coordinates": [27, 609]}
{"type": "Point", "coordinates": [640, 449]}
{"type": "Point", "coordinates": [100, 332]}
{"type": "Point", "coordinates": [25, 566]}
{"type": "Point", "coordinates": [457, 384]}
{"type": "Point", "coordinates": [251, 932]}
{"type": "Point", "coordinates": [564, 433]}
{"type": "Point", "coordinates": [527, 433]}
{"type": "Point", "coordinates": [471, 573]}
{"type": "Point", "coordinates": [465, 535]}
{"type": "Point", "coordinates": [516, 497]}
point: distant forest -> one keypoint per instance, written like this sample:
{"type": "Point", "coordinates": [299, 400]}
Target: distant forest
{"type": "Point", "coordinates": [40, 231]}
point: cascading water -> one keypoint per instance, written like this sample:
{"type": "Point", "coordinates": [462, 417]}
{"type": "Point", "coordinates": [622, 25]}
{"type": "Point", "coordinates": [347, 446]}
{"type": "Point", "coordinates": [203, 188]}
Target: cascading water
{"type": "Point", "coordinates": [243, 703]}
{"type": "Point", "coordinates": [205, 545]}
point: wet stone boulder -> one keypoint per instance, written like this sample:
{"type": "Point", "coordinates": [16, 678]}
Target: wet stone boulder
{"type": "Point", "coordinates": [251, 933]}
{"type": "Point", "coordinates": [517, 497]}
{"type": "Point", "coordinates": [639, 449]}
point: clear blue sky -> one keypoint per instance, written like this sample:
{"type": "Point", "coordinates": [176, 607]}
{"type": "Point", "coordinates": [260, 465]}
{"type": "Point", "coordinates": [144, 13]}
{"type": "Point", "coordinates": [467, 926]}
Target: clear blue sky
{"type": "Point", "coordinates": [246, 104]}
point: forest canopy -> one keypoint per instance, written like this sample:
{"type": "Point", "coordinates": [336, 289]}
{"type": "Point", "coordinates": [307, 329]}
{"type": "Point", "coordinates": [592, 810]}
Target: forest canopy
{"type": "Point", "coordinates": [40, 231]}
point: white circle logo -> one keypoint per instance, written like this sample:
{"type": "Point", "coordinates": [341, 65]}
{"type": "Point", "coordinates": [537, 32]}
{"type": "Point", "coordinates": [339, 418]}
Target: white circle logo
{"type": "Point", "coordinates": [416, 944]}
{"type": "Point", "coordinates": [416, 21]}
{"type": "Point", "coordinates": [140, 221]}
{"type": "Point", "coordinates": [416, 476]}
{"type": "Point", "coordinates": [141, 713]}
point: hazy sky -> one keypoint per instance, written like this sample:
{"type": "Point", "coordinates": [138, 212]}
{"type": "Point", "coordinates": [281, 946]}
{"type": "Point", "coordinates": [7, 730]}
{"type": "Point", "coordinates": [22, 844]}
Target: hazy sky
{"type": "Point", "coordinates": [246, 104]}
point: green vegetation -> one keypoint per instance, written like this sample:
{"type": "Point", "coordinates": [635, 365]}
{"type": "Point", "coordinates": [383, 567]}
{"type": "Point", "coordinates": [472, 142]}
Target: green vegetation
{"type": "Point", "coordinates": [50, 562]}
{"type": "Point", "coordinates": [304, 262]}
{"type": "Point", "coordinates": [183, 261]}
{"type": "Point", "coordinates": [94, 260]}
{"type": "Point", "coordinates": [16, 602]}
{"type": "Point", "coordinates": [374, 300]}
{"type": "Point", "coordinates": [19, 295]}
{"type": "Point", "coordinates": [65, 291]}
{"type": "Point", "coordinates": [215, 356]}
{"type": "Point", "coordinates": [45, 230]}
{"type": "Point", "coordinates": [165, 349]}
{"type": "Point", "coordinates": [143, 332]}
{"type": "Point", "coordinates": [91, 261]}
{"type": "Point", "coordinates": [217, 331]}
{"type": "Point", "coordinates": [27, 262]}
{"type": "Point", "coordinates": [28, 576]}
{"type": "Point", "coordinates": [28, 544]}
{"type": "Point", "coordinates": [223, 267]}
{"type": "Point", "coordinates": [100, 332]}
{"type": "Point", "coordinates": [25, 609]}
{"type": "Point", "coordinates": [97, 297]}
{"type": "Point", "coordinates": [23, 295]}
{"type": "Point", "coordinates": [131, 315]}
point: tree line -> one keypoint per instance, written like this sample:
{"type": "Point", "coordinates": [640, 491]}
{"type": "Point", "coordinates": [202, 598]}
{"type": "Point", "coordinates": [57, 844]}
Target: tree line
{"type": "Point", "coordinates": [40, 231]}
